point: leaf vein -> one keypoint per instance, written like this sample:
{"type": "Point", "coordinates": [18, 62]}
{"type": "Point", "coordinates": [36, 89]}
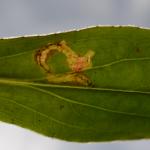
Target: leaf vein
{"type": "Point", "coordinates": [40, 113]}
{"type": "Point", "coordinates": [87, 105]}
{"type": "Point", "coordinates": [117, 62]}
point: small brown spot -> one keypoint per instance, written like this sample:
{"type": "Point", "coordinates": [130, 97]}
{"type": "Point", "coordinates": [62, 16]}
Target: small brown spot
{"type": "Point", "coordinates": [137, 50]}
{"type": "Point", "coordinates": [58, 44]}
{"type": "Point", "coordinates": [61, 107]}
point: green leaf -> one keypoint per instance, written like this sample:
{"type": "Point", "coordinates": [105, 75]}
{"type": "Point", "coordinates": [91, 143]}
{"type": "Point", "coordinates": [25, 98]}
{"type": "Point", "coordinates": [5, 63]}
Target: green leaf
{"type": "Point", "coordinates": [87, 85]}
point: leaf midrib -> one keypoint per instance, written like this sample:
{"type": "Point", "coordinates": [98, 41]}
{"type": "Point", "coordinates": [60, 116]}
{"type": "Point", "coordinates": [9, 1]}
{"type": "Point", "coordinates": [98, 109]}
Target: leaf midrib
{"type": "Point", "coordinates": [83, 104]}
{"type": "Point", "coordinates": [29, 83]}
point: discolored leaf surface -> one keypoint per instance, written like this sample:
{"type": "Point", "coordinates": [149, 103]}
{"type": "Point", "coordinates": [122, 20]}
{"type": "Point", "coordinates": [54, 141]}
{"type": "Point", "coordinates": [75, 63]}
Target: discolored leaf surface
{"type": "Point", "coordinates": [96, 86]}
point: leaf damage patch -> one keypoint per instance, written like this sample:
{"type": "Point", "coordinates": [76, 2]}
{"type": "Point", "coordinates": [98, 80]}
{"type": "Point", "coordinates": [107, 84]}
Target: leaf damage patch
{"type": "Point", "coordinates": [76, 63]}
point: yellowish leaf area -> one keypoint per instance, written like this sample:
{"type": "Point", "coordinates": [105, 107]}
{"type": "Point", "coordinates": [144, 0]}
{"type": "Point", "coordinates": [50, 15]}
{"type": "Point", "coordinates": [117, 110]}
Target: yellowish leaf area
{"type": "Point", "coordinates": [76, 63]}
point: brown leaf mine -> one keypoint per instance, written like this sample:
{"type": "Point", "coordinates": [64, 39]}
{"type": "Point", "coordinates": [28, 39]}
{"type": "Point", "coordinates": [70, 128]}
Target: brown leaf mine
{"type": "Point", "coordinates": [76, 63]}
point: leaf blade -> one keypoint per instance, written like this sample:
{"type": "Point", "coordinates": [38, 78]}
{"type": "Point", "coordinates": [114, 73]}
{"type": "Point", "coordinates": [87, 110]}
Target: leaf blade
{"type": "Point", "coordinates": [117, 101]}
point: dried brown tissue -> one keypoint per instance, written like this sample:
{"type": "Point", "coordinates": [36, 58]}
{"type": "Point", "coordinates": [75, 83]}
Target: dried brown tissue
{"type": "Point", "coordinates": [76, 63]}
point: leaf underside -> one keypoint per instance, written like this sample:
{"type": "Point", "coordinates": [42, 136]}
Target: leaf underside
{"type": "Point", "coordinates": [114, 106]}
